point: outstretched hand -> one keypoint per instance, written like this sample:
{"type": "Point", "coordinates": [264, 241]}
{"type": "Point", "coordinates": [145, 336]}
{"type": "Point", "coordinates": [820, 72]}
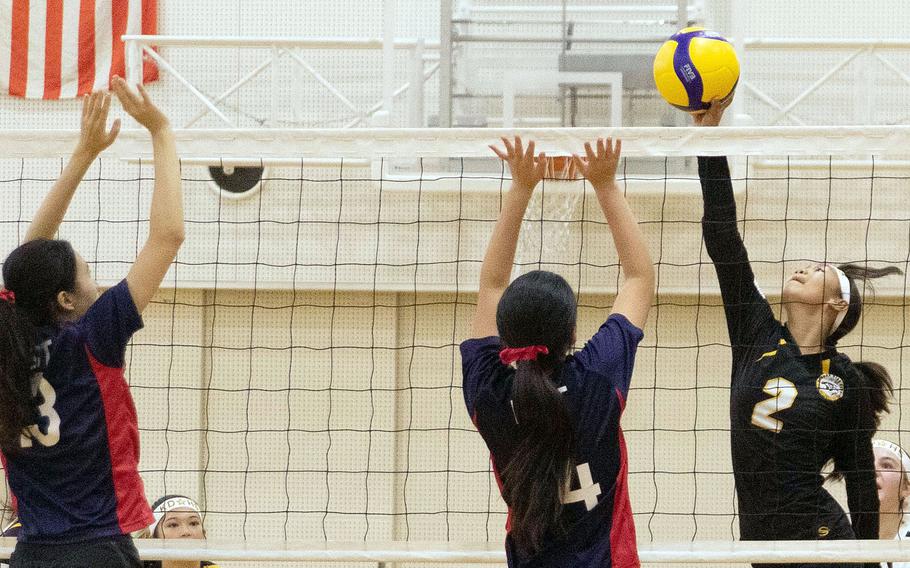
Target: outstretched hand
{"type": "Point", "coordinates": [527, 170]}
{"type": "Point", "coordinates": [94, 136]}
{"type": "Point", "coordinates": [715, 112]}
{"type": "Point", "coordinates": [599, 165]}
{"type": "Point", "coordinates": [139, 106]}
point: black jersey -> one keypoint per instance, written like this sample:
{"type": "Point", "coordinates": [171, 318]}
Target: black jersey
{"type": "Point", "coordinates": [789, 413]}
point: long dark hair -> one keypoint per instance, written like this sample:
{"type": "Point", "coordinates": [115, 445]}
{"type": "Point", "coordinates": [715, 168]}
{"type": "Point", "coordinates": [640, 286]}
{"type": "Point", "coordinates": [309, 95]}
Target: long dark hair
{"type": "Point", "coordinates": [876, 378]}
{"type": "Point", "coordinates": [538, 308]}
{"type": "Point", "coordinates": [35, 272]}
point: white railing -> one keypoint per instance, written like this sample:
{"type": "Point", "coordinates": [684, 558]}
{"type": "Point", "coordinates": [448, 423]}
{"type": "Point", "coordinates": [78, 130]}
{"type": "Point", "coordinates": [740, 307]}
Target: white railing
{"type": "Point", "coordinates": [140, 46]}
{"type": "Point", "coordinates": [861, 52]}
{"type": "Point", "coordinates": [698, 552]}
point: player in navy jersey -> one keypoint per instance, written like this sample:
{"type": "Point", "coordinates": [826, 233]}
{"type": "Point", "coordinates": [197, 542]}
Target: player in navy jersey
{"type": "Point", "coordinates": [796, 403]}
{"type": "Point", "coordinates": [552, 420]}
{"type": "Point", "coordinates": [68, 429]}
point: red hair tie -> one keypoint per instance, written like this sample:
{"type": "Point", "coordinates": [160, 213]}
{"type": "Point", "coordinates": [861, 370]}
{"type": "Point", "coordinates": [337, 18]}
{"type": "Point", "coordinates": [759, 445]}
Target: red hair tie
{"type": "Point", "coordinates": [7, 296]}
{"type": "Point", "coordinates": [509, 355]}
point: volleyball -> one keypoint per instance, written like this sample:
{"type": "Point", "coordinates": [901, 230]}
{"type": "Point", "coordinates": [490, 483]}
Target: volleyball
{"type": "Point", "coordinates": [694, 67]}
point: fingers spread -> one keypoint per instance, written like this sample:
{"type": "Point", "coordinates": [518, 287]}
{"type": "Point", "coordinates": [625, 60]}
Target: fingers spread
{"type": "Point", "coordinates": [144, 94]}
{"type": "Point", "coordinates": [508, 144]}
{"type": "Point", "coordinates": [589, 152]}
{"type": "Point", "coordinates": [115, 130]}
{"type": "Point", "coordinates": [498, 152]}
{"type": "Point", "coordinates": [579, 163]}
{"type": "Point", "coordinates": [105, 105]}
{"type": "Point", "coordinates": [85, 107]}
{"type": "Point", "coordinates": [542, 164]}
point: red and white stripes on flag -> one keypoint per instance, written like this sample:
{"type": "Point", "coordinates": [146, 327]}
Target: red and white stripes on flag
{"type": "Point", "coordinates": [58, 49]}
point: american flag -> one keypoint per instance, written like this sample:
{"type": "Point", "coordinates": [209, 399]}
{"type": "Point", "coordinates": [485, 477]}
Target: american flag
{"type": "Point", "coordinates": [58, 49]}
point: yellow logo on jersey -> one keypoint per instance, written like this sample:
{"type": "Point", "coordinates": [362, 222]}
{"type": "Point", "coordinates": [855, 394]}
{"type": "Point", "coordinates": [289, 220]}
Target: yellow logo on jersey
{"type": "Point", "coordinates": [831, 387]}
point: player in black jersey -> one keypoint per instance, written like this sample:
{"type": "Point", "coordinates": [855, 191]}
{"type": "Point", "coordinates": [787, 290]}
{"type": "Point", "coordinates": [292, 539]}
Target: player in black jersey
{"type": "Point", "coordinates": [796, 403]}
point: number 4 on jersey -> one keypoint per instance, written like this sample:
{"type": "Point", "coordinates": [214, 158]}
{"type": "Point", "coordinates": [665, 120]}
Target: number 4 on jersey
{"type": "Point", "coordinates": [588, 491]}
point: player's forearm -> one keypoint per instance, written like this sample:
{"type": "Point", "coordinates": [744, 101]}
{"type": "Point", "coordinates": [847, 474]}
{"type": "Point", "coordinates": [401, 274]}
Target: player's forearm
{"type": "Point", "coordinates": [717, 188]}
{"type": "Point", "coordinates": [497, 262]}
{"type": "Point", "coordinates": [722, 239]}
{"type": "Point", "coordinates": [166, 214]}
{"type": "Point", "coordinates": [634, 256]}
{"type": "Point", "coordinates": [49, 216]}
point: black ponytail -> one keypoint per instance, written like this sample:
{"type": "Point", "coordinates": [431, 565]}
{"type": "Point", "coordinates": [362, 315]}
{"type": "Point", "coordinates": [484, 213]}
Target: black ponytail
{"type": "Point", "coordinates": [35, 273]}
{"type": "Point", "coordinates": [538, 308]}
{"type": "Point", "coordinates": [17, 352]}
{"type": "Point", "coordinates": [877, 382]}
{"type": "Point", "coordinates": [876, 378]}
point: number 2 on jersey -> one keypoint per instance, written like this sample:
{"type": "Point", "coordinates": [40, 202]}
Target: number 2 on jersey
{"type": "Point", "coordinates": [783, 395]}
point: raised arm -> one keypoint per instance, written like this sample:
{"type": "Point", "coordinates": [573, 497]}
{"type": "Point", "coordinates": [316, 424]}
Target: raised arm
{"type": "Point", "coordinates": [166, 215]}
{"type": "Point", "coordinates": [93, 139]}
{"type": "Point", "coordinates": [527, 171]}
{"type": "Point", "coordinates": [747, 311]}
{"type": "Point", "coordinates": [637, 291]}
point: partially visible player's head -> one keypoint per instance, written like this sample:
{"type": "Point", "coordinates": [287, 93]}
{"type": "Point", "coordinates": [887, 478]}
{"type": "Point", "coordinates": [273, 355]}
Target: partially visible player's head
{"type": "Point", "coordinates": [536, 321]}
{"type": "Point", "coordinates": [177, 516]}
{"type": "Point", "coordinates": [46, 282]}
{"type": "Point", "coordinates": [892, 478]}
{"type": "Point", "coordinates": [538, 308]}
{"type": "Point", "coordinates": [830, 295]}
{"type": "Point", "coordinates": [51, 282]}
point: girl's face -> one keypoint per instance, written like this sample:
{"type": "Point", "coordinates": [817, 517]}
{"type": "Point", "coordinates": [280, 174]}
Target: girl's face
{"type": "Point", "coordinates": [890, 481]}
{"type": "Point", "coordinates": [813, 284]}
{"type": "Point", "coordinates": [181, 523]}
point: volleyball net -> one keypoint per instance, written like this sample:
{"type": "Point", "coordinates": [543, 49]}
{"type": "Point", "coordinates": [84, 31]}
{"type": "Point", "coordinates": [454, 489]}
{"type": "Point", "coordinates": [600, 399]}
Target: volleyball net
{"type": "Point", "coordinates": [299, 372]}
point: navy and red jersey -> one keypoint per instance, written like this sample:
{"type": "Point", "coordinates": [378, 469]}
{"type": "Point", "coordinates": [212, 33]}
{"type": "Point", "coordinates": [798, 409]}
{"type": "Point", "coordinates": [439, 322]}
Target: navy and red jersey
{"type": "Point", "coordinates": [76, 477]}
{"type": "Point", "coordinates": [595, 382]}
{"type": "Point", "coordinates": [790, 413]}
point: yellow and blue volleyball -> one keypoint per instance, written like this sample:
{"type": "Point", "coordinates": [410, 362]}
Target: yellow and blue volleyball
{"type": "Point", "coordinates": [694, 67]}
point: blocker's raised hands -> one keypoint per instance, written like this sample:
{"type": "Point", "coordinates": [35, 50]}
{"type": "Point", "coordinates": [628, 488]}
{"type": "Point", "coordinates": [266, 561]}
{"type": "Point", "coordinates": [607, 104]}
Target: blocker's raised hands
{"type": "Point", "coordinates": [600, 163]}
{"type": "Point", "coordinates": [94, 136]}
{"type": "Point", "coordinates": [139, 105]}
{"type": "Point", "coordinates": [527, 170]}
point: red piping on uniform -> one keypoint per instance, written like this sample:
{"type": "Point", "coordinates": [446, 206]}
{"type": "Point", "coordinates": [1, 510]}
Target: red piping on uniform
{"type": "Point", "coordinates": [133, 511]}
{"type": "Point", "coordinates": [623, 550]}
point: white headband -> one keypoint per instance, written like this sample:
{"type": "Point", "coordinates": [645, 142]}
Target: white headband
{"type": "Point", "coordinates": [844, 293]}
{"type": "Point", "coordinates": [169, 505]}
{"type": "Point", "coordinates": [897, 451]}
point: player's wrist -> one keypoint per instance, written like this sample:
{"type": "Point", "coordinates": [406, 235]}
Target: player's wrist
{"type": "Point", "coordinates": [84, 154]}
{"type": "Point", "coordinates": [606, 186]}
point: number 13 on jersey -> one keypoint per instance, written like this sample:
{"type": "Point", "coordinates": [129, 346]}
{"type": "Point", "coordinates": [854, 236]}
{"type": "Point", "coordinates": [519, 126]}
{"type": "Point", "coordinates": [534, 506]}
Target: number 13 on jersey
{"type": "Point", "coordinates": [47, 412]}
{"type": "Point", "coordinates": [783, 395]}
